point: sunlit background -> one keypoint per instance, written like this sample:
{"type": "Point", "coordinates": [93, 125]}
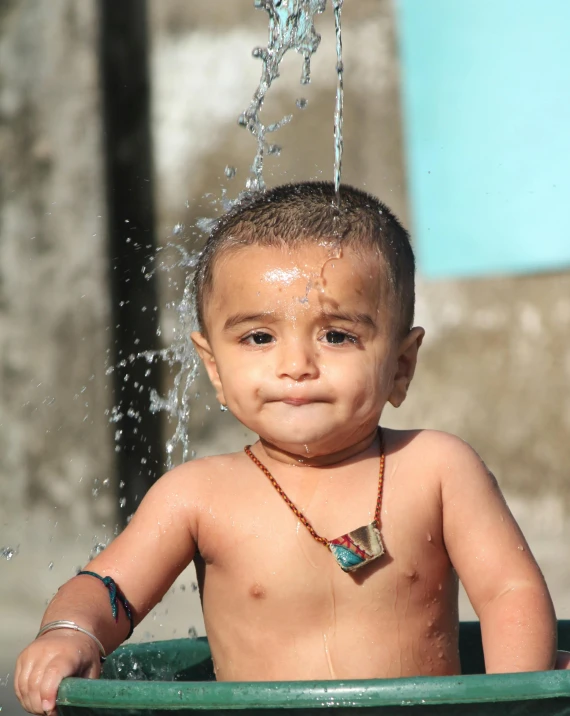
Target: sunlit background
{"type": "Point", "coordinates": [455, 116]}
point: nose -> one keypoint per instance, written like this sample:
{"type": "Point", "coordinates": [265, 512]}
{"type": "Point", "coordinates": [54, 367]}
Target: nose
{"type": "Point", "coordinates": [297, 360]}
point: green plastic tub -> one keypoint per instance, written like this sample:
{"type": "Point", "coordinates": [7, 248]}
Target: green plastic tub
{"type": "Point", "coordinates": [161, 677]}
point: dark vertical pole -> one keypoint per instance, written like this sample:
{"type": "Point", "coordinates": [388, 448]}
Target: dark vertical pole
{"type": "Point", "coordinates": [128, 164]}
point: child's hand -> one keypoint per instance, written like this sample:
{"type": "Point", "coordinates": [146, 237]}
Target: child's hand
{"type": "Point", "coordinates": [49, 659]}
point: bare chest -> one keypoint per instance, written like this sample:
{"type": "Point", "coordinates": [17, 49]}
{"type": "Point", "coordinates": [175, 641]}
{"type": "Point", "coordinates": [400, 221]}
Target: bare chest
{"type": "Point", "coordinates": [250, 539]}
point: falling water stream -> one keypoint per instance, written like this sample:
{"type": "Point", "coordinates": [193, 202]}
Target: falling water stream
{"type": "Point", "coordinates": [291, 27]}
{"type": "Point", "coordinates": [339, 106]}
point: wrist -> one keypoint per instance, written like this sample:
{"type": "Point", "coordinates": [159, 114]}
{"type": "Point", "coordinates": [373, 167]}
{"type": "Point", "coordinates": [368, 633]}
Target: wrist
{"type": "Point", "coordinates": [65, 626]}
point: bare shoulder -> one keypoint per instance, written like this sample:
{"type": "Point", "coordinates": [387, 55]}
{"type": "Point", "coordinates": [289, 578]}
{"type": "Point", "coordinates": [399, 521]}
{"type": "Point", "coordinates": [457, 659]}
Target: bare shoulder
{"type": "Point", "coordinates": [442, 454]}
{"type": "Point", "coordinates": [198, 475]}
{"type": "Point", "coordinates": [429, 442]}
{"type": "Point", "coordinates": [181, 495]}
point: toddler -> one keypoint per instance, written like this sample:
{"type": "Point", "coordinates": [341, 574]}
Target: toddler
{"type": "Point", "coordinates": [332, 547]}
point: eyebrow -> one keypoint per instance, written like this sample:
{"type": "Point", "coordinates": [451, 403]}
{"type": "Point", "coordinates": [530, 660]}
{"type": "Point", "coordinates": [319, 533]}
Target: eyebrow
{"type": "Point", "coordinates": [363, 318]}
{"type": "Point", "coordinates": [238, 318]}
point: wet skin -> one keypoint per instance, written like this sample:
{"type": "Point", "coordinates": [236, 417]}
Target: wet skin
{"type": "Point", "coordinates": [297, 615]}
{"type": "Point", "coordinates": [305, 355]}
{"type": "Point", "coordinates": [303, 349]}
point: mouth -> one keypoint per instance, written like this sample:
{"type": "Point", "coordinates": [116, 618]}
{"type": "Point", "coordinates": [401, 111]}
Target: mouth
{"type": "Point", "coordinates": [298, 401]}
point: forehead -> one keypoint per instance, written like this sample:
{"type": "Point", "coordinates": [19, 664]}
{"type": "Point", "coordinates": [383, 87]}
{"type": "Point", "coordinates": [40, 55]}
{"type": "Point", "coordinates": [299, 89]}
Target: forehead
{"type": "Point", "coordinates": [295, 279]}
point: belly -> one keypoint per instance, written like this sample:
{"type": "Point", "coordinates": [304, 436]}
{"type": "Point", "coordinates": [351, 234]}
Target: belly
{"type": "Point", "coordinates": [365, 642]}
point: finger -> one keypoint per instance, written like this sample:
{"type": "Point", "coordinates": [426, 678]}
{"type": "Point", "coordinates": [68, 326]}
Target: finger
{"type": "Point", "coordinates": [563, 660]}
{"type": "Point", "coordinates": [32, 701]}
{"type": "Point", "coordinates": [52, 678]}
{"type": "Point", "coordinates": [17, 671]}
{"type": "Point", "coordinates": [24, 683]}
{"type": "Point", "coordinates": [48, 686]}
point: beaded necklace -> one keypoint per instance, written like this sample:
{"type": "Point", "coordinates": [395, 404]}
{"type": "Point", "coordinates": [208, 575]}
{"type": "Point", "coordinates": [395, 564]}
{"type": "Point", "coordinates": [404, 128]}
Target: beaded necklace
{"type": "Point", "coordinates": [354, 549]}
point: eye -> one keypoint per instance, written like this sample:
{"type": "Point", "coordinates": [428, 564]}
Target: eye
{"type": "Point", "coordinates": [259, 338]}
{"type": "Point", "coordinates": [338, 337]}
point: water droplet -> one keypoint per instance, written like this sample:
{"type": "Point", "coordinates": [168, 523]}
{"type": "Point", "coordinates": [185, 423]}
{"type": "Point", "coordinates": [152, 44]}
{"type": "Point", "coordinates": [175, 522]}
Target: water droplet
{"type": "Point", "coordinates": [8, 552]}
{"type": "Point", "coordinates": [230, 172]}
{"type": "Point", "coordinates": [177, 229]}
{"type": "Point", "coordinates": [224, 408]}
{"type": "Point", "coordinates": [98, 547]}
{"type": "Point", "coordinates": [122, 502]}
{"type": "Point", "coordinates": [50, 565]}
{"type": "Point", "coordinates": [192, 633]}
{"type": "Point", "coordinates": [520, 547]}
{"type": "Point", "coordinates": [302, 103]}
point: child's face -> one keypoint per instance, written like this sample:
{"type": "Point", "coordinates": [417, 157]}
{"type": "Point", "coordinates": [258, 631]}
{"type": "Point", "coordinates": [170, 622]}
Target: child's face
{"type": "Point", "coordinates": [301, 347]}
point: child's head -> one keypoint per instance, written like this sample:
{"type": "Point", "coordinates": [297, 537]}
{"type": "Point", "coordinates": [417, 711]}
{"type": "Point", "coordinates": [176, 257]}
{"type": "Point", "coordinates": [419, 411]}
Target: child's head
{"type": "Point", "coordinates": [301, 214]}
{"type": "Point", "coordinates": [305, 314]}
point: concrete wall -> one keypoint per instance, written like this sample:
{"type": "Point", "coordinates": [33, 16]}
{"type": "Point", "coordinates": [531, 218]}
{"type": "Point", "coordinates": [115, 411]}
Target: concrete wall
{"type": "Point", "coordinates": [53, 298]}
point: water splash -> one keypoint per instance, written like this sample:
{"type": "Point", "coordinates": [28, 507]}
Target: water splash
{"type": "Point", "coordinates": [291, 27]}
{"type": "Point", "coordinates": [181, 356]}
{"type": "Point", "coordinates": [9, 552]}
{"type": "Point", "coordinates": [339, 104]}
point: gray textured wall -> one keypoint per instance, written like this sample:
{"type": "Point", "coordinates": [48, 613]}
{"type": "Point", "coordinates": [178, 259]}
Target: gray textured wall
{"type": "Point", "coordinates": [53, 301]}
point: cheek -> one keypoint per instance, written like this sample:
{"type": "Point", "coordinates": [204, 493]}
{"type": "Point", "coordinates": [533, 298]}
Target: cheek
{"type": "Point", "coordinates": [358, 373]}
{"type": "Point", "coordinates": [240, 374]}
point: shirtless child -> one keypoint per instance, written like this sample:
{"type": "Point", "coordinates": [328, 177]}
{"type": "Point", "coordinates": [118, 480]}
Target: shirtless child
{"type": "Point", "coordinates": [306, 333]}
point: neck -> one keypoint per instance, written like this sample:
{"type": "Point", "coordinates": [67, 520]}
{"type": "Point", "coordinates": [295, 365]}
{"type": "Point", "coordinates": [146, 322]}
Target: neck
{"type": "Point", "coordinates": [273, 452]}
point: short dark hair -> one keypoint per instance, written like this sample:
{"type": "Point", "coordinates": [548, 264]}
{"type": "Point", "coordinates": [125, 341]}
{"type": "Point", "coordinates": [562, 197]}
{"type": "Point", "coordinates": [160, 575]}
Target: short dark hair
{"type": "Point", "coordinates": [296, 214]}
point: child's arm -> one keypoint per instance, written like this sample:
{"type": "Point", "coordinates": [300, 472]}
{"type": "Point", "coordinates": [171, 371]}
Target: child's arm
{"type": "Point", "coordinates": [495, 565]}
{"type": "Point", "coordinates": [144, 561]}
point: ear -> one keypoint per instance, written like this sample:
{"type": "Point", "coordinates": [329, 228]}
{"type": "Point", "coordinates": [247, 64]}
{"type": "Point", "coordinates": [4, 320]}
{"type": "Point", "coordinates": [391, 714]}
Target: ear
{"type": "Point", "coordinates": [406, 365]}
{"type": "Point", "coordinates": [202, 345]}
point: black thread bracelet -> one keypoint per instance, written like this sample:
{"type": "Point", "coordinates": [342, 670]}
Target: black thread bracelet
{"type": "Point", "coordinates": [115, 595]}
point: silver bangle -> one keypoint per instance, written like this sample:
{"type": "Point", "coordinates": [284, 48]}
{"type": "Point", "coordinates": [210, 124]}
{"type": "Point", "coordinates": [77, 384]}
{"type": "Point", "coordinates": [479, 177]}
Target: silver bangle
{"type": "Point", "coordinates": [63, 624]}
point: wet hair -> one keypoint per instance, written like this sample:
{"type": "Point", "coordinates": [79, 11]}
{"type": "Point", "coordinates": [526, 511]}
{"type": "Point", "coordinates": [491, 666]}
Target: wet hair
{"type": "Point", "coordinates": [294, 215]}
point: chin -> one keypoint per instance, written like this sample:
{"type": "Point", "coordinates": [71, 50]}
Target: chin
{"type": "Point", "coordinates": [312, 441]}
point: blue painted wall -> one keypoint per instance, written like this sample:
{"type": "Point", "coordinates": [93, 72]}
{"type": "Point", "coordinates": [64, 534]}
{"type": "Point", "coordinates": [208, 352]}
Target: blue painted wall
{"type": "Point", "coordinates": [486, 94]}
